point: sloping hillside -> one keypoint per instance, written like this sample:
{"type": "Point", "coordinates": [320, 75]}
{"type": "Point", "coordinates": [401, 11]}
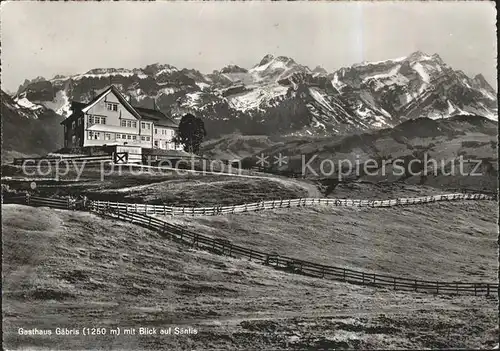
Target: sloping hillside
{"type": "Point", "coordinates": [437, 241]}
{"type": "Point", "coordinates": [236, 146]}
{"type": "Point", "coordinates": [71, 270]}
{"type": "Point", "coordinates": [471, 138]}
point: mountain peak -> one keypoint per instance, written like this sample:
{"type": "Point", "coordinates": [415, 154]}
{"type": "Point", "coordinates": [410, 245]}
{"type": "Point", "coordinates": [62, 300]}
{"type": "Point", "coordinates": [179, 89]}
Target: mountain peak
{"type": "Point", "coordinates": [481, 82]}
{"type": "Point", "coordinates": [319, 70]}
{"type": "Point", "coordinates": [233, 69]}
{"type": "Point", "coordinates": [266, 59]}
{"type": "Point", "coordinates": [418, 56]}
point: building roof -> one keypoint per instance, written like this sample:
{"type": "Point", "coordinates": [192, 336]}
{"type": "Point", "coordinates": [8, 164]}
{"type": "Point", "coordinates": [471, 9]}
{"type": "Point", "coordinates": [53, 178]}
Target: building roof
{"type": "Point", "coordinates": [120, 97]}
{"type": "Point", "coordinates": [156, 116]}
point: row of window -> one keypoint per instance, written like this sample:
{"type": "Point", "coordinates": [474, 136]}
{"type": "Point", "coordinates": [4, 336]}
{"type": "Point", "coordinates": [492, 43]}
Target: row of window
{"type": "Point", "coordinates": [128, 123]}
{"type": "Point", "coordinates": [97, 135]}
{"type": "Point", "coordinates": [163, 131]}
{"type": "Point", "coordinates": [133, 124]}
{"type": "Point", "coordinates": [96, 120]}
{"type": "Point", "coordinates": [108, 136]}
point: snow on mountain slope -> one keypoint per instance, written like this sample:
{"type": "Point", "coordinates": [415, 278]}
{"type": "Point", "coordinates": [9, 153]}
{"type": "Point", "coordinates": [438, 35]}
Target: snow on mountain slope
{"type": "Point", "coordinates": [25, 103]}
{"type": "Point", "coordinates": [257, 98]}
{"type": "Point", "coordinates": [61, 104]}
{"type": "Point", "coordinates": [279, 95]}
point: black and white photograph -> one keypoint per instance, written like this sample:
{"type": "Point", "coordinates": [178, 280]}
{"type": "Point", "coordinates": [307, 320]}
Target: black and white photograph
{"type": "Point", "coordinates": [249, 175]}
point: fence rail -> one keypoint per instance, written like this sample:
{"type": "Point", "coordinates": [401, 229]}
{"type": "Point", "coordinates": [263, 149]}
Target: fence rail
{"type": "Point", "coordinates": [50, 160]}
{"type": "Point", "coordinates": [289, 264]}
{"type": "Point", "coordinates": [273, 204]}
{"type": "Point", "coordinates": [225, 247]}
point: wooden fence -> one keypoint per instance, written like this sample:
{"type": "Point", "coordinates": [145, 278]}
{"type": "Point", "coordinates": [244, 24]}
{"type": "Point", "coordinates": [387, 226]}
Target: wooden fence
{"type": "Point", "coordinates": [273, 204]}
{"type": "Point", "coordinates": [64, 204]}
{"type": "Point", "coordinates": [53, 160]}
{"type": "Point", "coordinates": [225, 247]}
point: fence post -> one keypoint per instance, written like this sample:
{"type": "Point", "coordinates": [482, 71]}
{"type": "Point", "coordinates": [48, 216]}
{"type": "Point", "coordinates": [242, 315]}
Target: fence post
{"type": "Point", "coordinates": [487, 289]}
{"type": "Point", "coordinates": [363, 277]}
{"type": "Point", "coordinates": [374, 278]}
{"type": "Point", "coordinates": [344, 275]}
{"type": "Point", "coordinates": [416, 285]}
{"type": "Point", "coordinates": [394, 283]}
{"type": "Point", "coordinates": [164, 210]}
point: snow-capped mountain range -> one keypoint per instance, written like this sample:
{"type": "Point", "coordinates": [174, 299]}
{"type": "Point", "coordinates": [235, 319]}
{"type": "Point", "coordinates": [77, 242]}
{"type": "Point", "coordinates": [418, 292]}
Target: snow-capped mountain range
{"type": "Point", "coordinates": [279, 95]}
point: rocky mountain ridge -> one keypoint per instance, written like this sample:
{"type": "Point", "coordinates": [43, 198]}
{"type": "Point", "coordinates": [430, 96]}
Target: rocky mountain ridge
{"type": "Point", "coordinates": [281, 96]}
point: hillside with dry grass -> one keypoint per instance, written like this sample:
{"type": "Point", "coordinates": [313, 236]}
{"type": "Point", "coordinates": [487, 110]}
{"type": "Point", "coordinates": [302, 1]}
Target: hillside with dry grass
{"type": "Point", "coordinates": [74, 270]}
{"type": "Point", "coordinates": [453, 241]}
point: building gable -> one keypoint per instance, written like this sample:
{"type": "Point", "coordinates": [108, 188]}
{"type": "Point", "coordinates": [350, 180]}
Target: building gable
{"type": "Point", "coordinates": [112, 95]}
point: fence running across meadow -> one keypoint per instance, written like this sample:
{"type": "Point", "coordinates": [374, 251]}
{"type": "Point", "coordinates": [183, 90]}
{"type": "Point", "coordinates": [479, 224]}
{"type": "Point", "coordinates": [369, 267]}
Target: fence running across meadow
{"type": "Point", "coordinates": [225, 247]}
{"type": "Point", "coordinates": [274, 204]}
{"type": "Point", "coordinates": [53, 160]}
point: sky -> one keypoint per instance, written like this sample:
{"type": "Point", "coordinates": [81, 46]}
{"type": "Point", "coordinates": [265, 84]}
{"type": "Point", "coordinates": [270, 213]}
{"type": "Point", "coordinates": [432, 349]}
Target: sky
{"type": "Point", "coordinates": [49, 38]}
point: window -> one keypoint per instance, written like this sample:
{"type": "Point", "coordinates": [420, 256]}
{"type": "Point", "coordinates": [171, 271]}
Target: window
{"type": "Point", "coordinates": [107, 136]}
{"type": "Point", "coordinates": [129, 124]}
{"type": "Point", "coordinates": [103, 120]}
{"type": "Point", "coordinates": [123, 123]}
{"type": "Point", "coordinates": [97, 136]}
{"type": "Point", "coordinates": [156, 131]}
{"type": "Point", "coordinates": [148, 138]}
{"type": "Point", "coordinates": [124, 136]}
{"type": "Point", "coordinates": [143, 125]}
{"type": "Point", "coordinates": [148, 125]}
{"type": "Point", "coordinates": [118, 136]}
{"type": "Point", "coordinates": [91, 120]}
{"type": "Point", "coordinates": [129, 137]}
{"type": "Point", "coordinates": [91, 135]}
{"type": "Point", "coordinates": [112, 107]}
{"type": "Point", "coordinates": [156, 143]}
{"type": "Point", "coordinates": [134, 137]}
{"type": "Point", "coordinates": [134, 124]}
{"type": "Point", "coordinates": [143, 138]}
